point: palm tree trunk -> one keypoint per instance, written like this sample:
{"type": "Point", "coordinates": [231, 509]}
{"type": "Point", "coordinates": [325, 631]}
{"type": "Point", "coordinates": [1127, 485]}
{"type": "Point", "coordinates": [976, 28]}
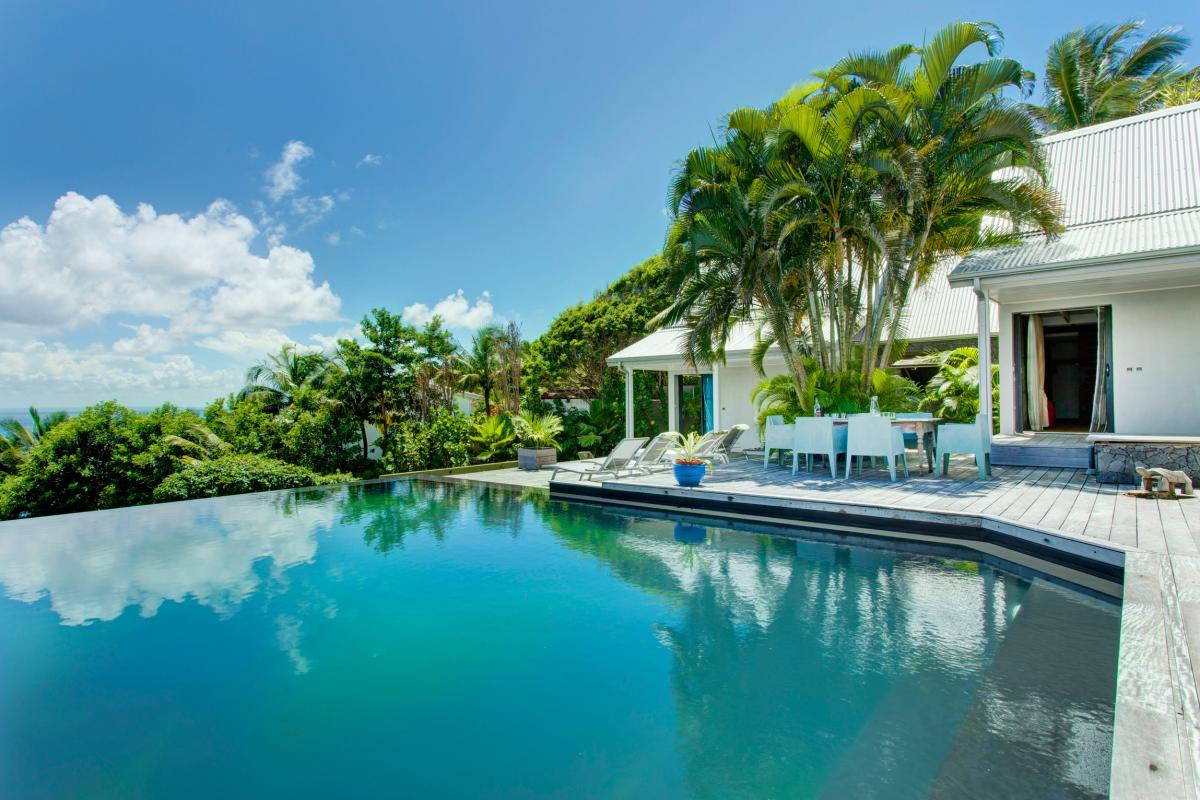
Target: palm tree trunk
{"type": "Point", "coordinates": [363, 427]}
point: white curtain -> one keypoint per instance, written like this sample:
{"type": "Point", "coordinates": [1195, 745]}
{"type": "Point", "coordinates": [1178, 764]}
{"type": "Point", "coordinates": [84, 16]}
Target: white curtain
{"type": "Point", "coordinates": [1100, 393]}
{"type": "Point", "coordinates": [1036, 402]}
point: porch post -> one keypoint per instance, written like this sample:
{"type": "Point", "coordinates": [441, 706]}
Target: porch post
{"type": "Point", "coordinates": [672, 401]}
{"type": "Point", "coordinates": [628, 402]}
{"type": "Point", "coordinates": [985, 354]}
{"type": "Point", "coordinates": [716, 373]}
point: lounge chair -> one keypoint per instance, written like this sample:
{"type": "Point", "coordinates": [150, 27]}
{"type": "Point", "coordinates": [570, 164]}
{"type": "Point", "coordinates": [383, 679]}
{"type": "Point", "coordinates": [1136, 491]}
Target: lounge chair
{"type": "Point", "coordinates": [619, 460]}
{"type": "Point", "coordinates": [875, 436]}
{"type": "Point", "coordinates": [656, 455]}
{"type": "Point", "coordinates": [722, 447]}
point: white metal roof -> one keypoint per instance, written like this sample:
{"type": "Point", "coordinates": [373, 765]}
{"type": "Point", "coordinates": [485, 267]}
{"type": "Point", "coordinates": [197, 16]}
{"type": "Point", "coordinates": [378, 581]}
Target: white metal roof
{"type": "Point", "coordinates": [1130, 189]}
{"type": "Point", "coordinates": [936, 311]}
{"type": "Point", "coordinates": [666, 344]}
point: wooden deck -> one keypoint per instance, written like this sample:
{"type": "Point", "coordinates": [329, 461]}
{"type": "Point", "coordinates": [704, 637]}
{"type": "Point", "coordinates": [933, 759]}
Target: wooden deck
{"type": "Point", "coordinates": [1156, 750]}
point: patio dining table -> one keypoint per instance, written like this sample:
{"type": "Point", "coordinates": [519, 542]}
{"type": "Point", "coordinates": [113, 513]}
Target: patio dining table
{"type": "Point", "coordinates": [925, 429]}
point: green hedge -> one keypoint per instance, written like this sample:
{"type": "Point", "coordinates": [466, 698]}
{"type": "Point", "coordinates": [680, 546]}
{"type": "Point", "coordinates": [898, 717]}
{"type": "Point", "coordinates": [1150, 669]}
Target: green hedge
{"type": "Point", "coordinates": [238, 474]}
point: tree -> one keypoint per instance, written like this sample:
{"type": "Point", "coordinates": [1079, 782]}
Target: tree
{"type": "Point", "coordinates": [16, 440]}
{"type": "Point", "coordinates": [815, 218]}
{"type": "Point", "coordinates": [1105, 72]}
{"type": "Point", "coordinates": [572, 353]}
{"type": "Point", "coordinates": [281, 378]}
{"type": "Point", "coordinates": [362, 378]}
{"type": "Point", "coordinates": [479, 365]}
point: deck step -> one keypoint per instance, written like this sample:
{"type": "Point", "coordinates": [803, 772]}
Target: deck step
{"type": "Point", "coordinates": [1025, 455]}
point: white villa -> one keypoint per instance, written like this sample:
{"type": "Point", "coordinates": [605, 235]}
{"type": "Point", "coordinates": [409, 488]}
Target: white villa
{"type": "Point", "coordinates": [1097, 330]}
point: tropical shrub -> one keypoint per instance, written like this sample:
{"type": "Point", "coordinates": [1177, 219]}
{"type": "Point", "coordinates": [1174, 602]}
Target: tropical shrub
{"type": "Point", "coordinates": [538, 430]}
{"type": "Point", "coordinates": [238, 474]}
{"type": "Point", "coordinates": [953, 392]}
{"type": "Point", "coordinates": [494, 437]}
{"type": "Point", "coordinates": [444, 441]}
{"type": "Point", "coordinates": [838, 393]}
{"type": "Point", "coordinates": [107, 456]}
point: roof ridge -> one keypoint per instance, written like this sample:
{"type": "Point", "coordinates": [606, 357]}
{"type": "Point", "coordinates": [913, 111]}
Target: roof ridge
{"type": "Point", "coordinates": [1101, 127]}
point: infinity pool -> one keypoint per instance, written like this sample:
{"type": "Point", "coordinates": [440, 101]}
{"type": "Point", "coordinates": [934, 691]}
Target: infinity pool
{"type": "Point", "coordinates": [429, 640]}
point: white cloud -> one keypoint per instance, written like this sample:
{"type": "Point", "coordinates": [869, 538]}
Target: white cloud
{"type": "Point", "coordinates": [246, 345]}
{"type": "Point", "coordinates": [329, 341]}
{"type": "Point", "coordinates": [334, 238]}
{"type": "Point", "coordinates": [146, 341]}
{"type": "Point", "coordinates": [92, 260]}
{"type": "Point", "coordinates": [39, 368]}
{"type": "Point", "coordinates": [370, 160]}
{"type": "Point", "coordinates": [312, 210]}
{"type": "Point", "coordinates": [455, 311]}
{"type": "Point", "coordinates": [93, 575]}
{"type": "Point", "coordinates": [283, 177]}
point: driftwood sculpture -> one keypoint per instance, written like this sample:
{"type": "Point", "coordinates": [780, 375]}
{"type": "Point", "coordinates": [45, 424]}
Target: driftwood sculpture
{"type": "Point", "coordinates": [1159, 482]}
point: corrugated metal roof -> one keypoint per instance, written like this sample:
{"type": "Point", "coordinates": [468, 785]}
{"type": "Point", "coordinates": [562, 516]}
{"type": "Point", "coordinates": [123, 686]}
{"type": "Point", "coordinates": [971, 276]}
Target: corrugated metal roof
{"type": "Point", "coordinates": [938, 310]}
{"type": "Point", "coordinates": [667, 344]}
{"type": "Point", "coordinates": [1128, 187]}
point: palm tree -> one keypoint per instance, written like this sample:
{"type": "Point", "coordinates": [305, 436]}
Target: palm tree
{"type": "Point", "coordinates": [817, 217]}
{"type": "Point", "coordinates": [1105, 72]}
{"type": "Point", "coordinates": [479, 365]}
{"type": "Point", "coordinates": [16, 440]}
{"type": "Point", "coordinates": [199, 445]}
{"type": "Point", "coordinates": [282, 377]}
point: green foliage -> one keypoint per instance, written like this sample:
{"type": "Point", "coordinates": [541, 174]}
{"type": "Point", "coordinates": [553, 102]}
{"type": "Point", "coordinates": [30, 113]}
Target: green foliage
{"type": "Point", "coordinates": [953, 392]}
{"type": "Point", "coordinates": [494, 437]}
{"type": "Point", "coordinates": [238, 474]}
{"type": "Point", "coordinates": [595, 432]}
{"type": "Point", "coordinates": [539, 430]}
{"type": "Point", "coordinates": [16, 440]}
{"type": "Point", "coordinates": [444, 441]}
{"type": "Point", "coordinates": [1104, 72]}
{"type": "Point", "coordinates": [107, 456]}
{"type": "Point", "coordinates": [571, 353]}
{"type": "Point", "coordinates": [838, 393]}
{"type": "Point", "coordinates": [688, 448]}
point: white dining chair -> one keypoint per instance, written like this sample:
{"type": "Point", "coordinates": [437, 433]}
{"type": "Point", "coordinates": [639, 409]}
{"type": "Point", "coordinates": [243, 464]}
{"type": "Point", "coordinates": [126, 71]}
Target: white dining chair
{"type": "Point", "coordinates": [875, 436]}
{"type": "Point", "coordinates": [776, 437]}
{"type": "Point", "coordinates": [960, 437]}
{"type": "Point", "coordinates": [817, 436]}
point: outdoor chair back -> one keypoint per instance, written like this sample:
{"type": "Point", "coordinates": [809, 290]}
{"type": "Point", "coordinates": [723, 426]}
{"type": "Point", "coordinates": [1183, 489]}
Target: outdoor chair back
{"type": "Point", "coordinates": [817, 436]}
{"type": "Point", "coordinates": [654, 455]}
{"type": "Point", "coordinates": [875, 436]}
{"type": "Point", "coordinates": [776, 437]}
{"type": "Point", "coordinates": [961, 437]}
{"type": "Point", "coordinates": [725, 444]}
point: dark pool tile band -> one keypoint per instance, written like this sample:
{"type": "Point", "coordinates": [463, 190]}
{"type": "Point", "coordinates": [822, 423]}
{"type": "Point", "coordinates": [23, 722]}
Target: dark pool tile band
{"type": "Point", "coordinates": [1104, 563]}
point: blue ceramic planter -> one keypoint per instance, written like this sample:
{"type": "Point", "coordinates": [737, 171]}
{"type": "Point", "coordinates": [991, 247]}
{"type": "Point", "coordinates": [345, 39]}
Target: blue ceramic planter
{"type": "Point", "coordinates": [689, 474]}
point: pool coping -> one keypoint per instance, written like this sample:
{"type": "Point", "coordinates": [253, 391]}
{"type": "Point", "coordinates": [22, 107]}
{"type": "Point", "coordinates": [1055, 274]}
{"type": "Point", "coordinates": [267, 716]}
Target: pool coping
{"type": "Point", "coordinates": [1156, 725]}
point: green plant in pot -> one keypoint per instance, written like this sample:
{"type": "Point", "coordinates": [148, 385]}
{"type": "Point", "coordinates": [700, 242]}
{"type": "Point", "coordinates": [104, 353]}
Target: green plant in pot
{"type": "Point", "coordinates": [689, 467]}
{"type": "Point", "coordinates": [538, 434]}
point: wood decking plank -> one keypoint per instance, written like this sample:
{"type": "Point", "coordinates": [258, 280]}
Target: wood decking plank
{"type": "Point", "coordinates": [1175, 528]}
{"type": "Point", "coordinates": [1124, 521]}
{"type": "Point", "coordinates": [1076, 520]}
{"type": "Point", "coordinates": [1057, 513]}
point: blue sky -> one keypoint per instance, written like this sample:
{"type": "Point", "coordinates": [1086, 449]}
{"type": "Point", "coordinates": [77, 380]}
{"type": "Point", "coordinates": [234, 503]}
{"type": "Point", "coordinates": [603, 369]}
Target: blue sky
{"type": "Point", "coordinates": [393, 154]}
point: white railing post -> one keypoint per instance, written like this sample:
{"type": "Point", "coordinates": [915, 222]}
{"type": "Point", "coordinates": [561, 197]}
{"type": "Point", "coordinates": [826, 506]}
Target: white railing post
{"type": "Point", "coordinates": [716, 400]}
{"type": "Point", "coordinates": [628, 402]}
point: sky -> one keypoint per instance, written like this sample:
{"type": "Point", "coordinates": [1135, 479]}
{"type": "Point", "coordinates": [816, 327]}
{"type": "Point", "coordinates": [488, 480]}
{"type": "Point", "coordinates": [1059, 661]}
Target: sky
{"type": "Point", "coordinates": [189, 185]}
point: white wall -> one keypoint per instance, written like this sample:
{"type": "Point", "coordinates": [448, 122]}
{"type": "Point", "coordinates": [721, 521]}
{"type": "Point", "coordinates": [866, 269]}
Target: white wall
{"type": "Point", "coordinates": [1156, 359]}
{"type": "Point", "coordinates": [736, 384]}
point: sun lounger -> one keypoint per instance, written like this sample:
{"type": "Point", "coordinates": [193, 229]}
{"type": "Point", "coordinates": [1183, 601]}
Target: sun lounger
{"type": "Point", "coordinates": [622, 458]}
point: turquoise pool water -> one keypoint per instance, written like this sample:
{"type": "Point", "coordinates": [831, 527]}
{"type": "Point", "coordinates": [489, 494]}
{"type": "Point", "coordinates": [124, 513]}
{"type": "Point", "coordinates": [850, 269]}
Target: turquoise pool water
{"type": "Point", "coordinates": [436, 641]}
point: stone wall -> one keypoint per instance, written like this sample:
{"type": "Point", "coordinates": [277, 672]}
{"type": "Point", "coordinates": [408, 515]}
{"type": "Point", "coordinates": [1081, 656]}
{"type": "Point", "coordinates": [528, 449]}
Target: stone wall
{"type": "Point", "coordinates": [1115, 461]}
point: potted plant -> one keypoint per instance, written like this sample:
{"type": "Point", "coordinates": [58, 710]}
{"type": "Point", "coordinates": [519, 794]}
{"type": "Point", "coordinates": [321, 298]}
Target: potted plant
{"type": "Point", "coordinates": [538, 434]}
{"type": "Point", "coordinates": [689, 469]}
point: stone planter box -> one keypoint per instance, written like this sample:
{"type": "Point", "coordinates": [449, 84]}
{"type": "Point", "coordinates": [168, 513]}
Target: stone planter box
{"type": "Point", "coordinates": [1116, 456]}
{"type": "Point", "coordinates": [536, 457]}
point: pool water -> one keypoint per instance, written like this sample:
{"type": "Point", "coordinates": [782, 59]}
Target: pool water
{"type": "Point", "coordinates": [428, 640]}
